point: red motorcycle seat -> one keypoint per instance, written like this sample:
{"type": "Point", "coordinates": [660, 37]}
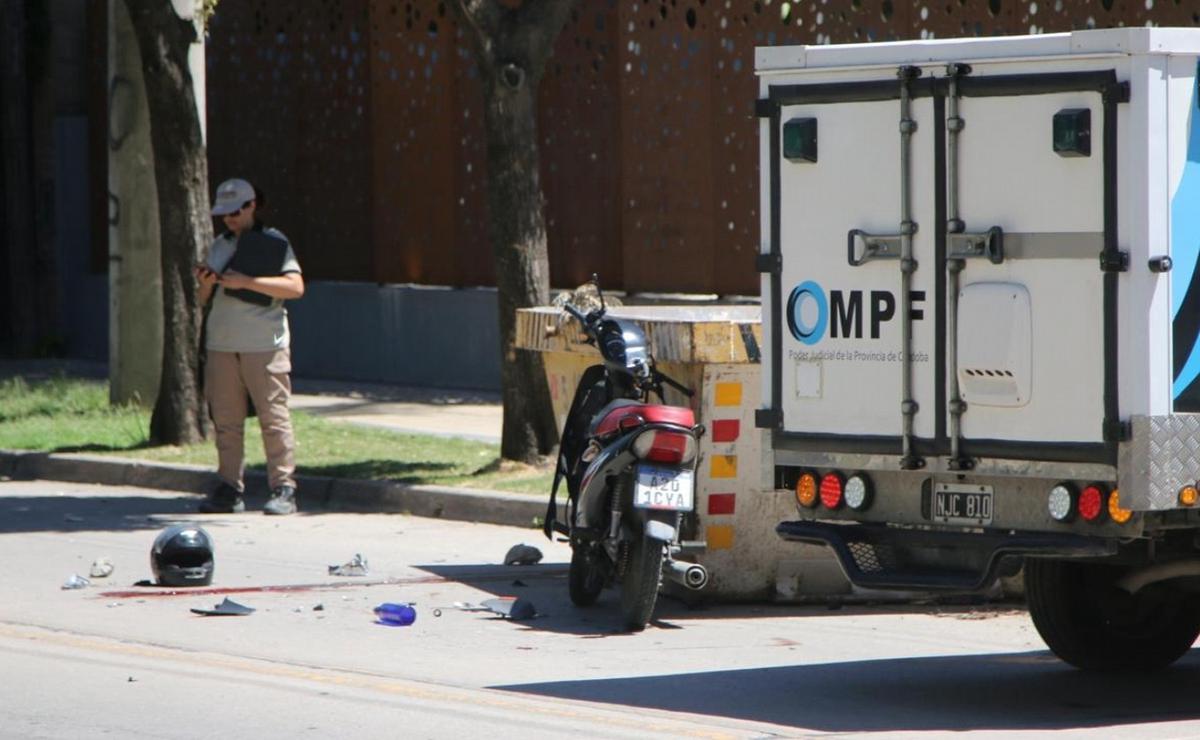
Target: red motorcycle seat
{"type": "Point", "coordinates": [610, 417]}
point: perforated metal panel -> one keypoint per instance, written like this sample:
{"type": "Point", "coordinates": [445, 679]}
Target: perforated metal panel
{"type": "Point", "coordinates": [363, 120]}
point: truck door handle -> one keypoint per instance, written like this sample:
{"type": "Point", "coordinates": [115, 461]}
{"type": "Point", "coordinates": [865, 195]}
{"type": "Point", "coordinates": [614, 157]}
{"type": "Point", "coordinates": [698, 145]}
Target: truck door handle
{"type": "Point", "coordinates": [988, 244]}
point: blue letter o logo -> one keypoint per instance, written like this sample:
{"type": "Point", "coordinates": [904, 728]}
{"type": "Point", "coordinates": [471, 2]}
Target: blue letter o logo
{"type": "Point", "coordinates": [801, 295]}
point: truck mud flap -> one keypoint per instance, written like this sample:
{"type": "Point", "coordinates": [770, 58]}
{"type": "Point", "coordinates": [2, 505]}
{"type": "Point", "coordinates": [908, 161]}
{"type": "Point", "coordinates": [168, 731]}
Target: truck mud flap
{"type": "Point", "coordinates": [881, 557]}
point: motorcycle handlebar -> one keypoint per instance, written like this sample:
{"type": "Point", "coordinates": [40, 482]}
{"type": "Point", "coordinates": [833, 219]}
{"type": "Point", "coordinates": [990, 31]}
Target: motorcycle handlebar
{"type": "Point", "coordinates": [575, 312]}
{"type": "Point", "coordinates": [585, 320]}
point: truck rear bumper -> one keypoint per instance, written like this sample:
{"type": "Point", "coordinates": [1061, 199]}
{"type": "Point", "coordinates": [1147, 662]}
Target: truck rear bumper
{"type": "Point", "coordinates": [883, 557]}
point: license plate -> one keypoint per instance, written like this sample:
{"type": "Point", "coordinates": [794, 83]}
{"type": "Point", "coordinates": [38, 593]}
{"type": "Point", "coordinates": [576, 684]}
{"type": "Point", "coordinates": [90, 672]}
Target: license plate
{"type": "Point", "coordinates": [955, 503]}
{"type": "Point", "coordinates": [663, 488]}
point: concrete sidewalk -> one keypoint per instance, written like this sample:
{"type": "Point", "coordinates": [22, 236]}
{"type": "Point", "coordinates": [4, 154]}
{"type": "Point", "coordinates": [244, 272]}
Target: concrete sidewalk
{"type": "Point", "coordinates": [450, 413]}
{"type": "Point", "coordinates": [468, 414]}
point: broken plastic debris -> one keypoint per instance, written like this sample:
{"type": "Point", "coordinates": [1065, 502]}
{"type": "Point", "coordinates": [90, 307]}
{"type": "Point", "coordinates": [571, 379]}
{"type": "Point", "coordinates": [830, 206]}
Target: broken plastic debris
{"type": "Point", "coordinates": [101, 568]}
{"type": "Point", "coordinates": [226, 608]}
{"type": "Point", "coordinates": [522, 555]}
{"type": "Point", "coordinates": [355, 567]}
{"type": "Point", "coordinates": [76, 581]}
{"type": "Point", "coordinates": [506, 606]}
{"type": "Point", "coordinates": [512, 607]}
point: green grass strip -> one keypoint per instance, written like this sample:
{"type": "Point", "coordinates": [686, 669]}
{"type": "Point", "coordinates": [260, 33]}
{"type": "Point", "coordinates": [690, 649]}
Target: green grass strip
{"type": "Point", "coordinates": [74, 415]}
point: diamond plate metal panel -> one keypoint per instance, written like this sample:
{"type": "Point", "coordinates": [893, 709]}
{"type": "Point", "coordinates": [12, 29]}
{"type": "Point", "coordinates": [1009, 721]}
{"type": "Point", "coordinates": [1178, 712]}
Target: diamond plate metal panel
{"type": "Point", "coordinates": [1162, 457]}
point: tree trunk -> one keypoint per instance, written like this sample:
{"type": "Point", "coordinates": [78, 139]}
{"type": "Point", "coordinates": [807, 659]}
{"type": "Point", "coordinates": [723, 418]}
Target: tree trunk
{"type": "Point", "coordinates": [511, 46]}
{"type": "Point", "coordinates": [518, 234]}
{"type": "Point", "coordinates": [181, 171]}
{"type": "Point", "coordinates": [18, 208]}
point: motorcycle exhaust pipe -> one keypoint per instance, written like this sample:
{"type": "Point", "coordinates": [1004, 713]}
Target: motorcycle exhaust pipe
{"type": "Point", "coordinates": [691, 575]}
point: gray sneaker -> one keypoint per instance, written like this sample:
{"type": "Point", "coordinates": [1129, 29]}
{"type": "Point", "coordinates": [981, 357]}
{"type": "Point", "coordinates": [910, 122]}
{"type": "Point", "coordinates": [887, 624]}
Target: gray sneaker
{"type": "Point", "coordinates": [225, 500]}
{"type": "Point", "coordinates": [282, 502]}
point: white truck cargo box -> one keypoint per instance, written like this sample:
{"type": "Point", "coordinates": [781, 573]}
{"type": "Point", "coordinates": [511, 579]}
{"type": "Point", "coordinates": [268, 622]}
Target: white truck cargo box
{"type": "Point", "coordinates": [980, 299]}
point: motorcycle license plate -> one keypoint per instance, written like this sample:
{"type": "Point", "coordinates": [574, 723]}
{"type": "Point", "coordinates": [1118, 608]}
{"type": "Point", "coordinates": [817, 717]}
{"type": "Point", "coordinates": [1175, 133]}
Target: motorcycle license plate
{"type": "Point", "coordinates": [664, 488]}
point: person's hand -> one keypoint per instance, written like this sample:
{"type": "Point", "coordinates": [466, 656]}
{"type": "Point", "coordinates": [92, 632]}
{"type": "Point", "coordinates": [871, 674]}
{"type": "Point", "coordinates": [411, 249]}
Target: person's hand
{"type": "Point", "coordinates": [206, 275]}
{"type": "Point", "coordinates": [235, 280]}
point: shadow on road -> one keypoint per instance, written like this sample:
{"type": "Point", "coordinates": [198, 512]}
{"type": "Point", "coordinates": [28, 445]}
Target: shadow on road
{"type": "Point", "coordinates": [88, 512]}
{"type": "Point", "coordinates": [1005, 692]}
{"type": "Point", "coordinates": [545, 585]}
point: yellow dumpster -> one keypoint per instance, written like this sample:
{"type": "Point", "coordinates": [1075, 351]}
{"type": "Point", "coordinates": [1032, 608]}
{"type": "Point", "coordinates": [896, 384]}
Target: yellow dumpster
{"type": "Point", "coordinates": [714, 350]}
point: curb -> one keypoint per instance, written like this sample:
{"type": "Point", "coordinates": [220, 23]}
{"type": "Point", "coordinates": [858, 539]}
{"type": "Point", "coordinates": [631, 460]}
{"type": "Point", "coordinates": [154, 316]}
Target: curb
{"type": "Point", "coordinates": [328, 494]}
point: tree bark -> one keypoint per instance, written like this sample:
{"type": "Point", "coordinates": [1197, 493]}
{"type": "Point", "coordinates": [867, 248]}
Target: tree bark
{"type": "Point", "coordinates": [18, 208]}
{"type": "Point", "coordinates": [181, 172]}
{"type": "Point", "coordinates": [511, 45]}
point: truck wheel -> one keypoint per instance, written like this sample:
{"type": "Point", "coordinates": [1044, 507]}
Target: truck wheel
{"type": "Point", "coordinates": [585, 579]}
{"type": "Point", "coordinates": [639, 587]}
{"type": "Point", "coordinates": [1090, 623]}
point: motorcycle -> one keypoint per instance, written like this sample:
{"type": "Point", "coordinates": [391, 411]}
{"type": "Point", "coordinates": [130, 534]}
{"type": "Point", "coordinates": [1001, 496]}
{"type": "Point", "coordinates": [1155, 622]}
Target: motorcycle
{"type": "Point", "coordinates": [630, 469]}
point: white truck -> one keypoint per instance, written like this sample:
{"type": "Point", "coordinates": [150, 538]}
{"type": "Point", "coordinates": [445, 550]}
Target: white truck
{"type": "Point", "coordinates": [980, 315]}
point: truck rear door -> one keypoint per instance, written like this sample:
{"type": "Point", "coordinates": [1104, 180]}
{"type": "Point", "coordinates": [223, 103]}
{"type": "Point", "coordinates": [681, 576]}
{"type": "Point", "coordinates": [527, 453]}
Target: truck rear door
{"type": "Point", "coordinates": [942, 264]}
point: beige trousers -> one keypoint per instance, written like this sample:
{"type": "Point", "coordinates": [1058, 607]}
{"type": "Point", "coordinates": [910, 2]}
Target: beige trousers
{"type": "Point", "coordinates": [228, 378]}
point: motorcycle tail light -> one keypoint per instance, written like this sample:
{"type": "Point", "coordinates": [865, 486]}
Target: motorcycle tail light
{"type": "Point", "coordinates": [1091, 503]}
{"type": "Point", "coordinates": [831, 491]}
{"type": "Point", "coordinates": [657, 445]}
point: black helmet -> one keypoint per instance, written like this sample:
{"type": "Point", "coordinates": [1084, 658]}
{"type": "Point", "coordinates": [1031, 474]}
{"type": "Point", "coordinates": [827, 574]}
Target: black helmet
{"type": "Point", "coordinates": [182, 555]}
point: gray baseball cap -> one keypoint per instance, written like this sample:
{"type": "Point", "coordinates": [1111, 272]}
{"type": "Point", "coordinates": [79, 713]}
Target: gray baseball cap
{"type": "Point", "coordinates": [231, 196]}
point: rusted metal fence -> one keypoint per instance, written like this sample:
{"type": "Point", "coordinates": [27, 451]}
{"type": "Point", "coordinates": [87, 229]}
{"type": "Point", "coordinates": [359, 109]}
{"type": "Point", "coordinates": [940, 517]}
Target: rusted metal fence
{"type": "Point", "coordinates": [362, 120]}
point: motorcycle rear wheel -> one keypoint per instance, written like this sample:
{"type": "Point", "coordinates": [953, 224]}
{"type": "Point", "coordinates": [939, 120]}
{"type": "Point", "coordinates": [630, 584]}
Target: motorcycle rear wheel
{"type": "Point", "coordinates": [585, 579]}
{"type": "Point", "coordinates": [639, 586]}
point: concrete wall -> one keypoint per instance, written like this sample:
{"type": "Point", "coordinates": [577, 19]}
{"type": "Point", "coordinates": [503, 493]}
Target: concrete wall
{"type": "Point", "coordinates": [399, 334]}
{"type": "Point", "coordinates": [134, 237]}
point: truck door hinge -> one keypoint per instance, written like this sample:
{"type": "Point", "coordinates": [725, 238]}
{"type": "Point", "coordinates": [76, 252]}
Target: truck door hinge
{"type": "Point", "coordinates": [1114, 260]}
{"type": "Point", "coordinates": [771, 262]}
{"type": "Point", "coordinates": [768, 419]}
{"type": "Point", "coordinates": [765, 108]}
{"type": "Point", "coordinates": [1116, 430]}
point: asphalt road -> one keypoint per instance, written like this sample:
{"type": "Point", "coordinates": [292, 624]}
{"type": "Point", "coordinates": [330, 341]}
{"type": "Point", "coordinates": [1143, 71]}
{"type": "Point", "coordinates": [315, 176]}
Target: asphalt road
{"type": "Point", "coordinates": [119, 660]}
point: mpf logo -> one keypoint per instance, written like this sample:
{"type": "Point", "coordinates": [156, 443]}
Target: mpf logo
{"type": "Point", "coordinates": [810, 313]}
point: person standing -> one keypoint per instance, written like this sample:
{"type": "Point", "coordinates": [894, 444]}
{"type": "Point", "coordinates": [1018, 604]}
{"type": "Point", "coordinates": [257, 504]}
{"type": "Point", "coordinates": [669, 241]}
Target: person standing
{"type": "Point", "coordinates": [250, 271]}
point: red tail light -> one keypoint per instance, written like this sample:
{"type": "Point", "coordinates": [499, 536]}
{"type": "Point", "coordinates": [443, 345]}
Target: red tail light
{"type": "Point", "coordinates": [831, 491]}
{"type": "Point", "coordinates": [1091, 503]}
{"type": "Point", "coordinates": [672, 448]}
